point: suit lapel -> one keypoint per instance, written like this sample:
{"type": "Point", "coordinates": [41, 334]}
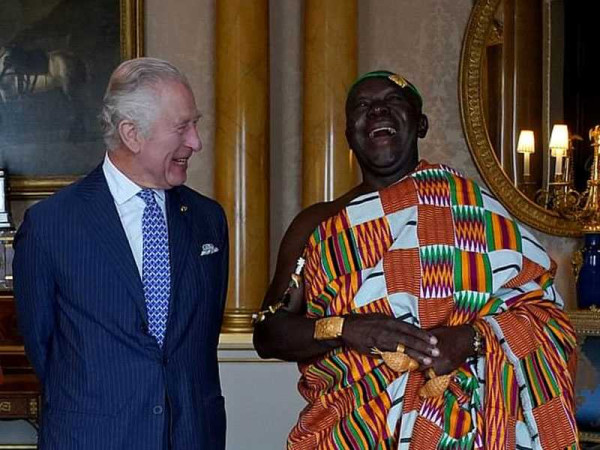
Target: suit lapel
{"type": "Point", "coordinates": [102, 219]}
{"type": "Point", "coordinates": [180, 241]}
{"type": "Point", "coordinates": [180, 237]}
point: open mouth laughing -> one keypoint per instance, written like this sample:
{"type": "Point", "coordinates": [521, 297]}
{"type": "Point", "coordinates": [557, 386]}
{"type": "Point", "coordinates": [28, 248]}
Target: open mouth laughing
{"type": "Point", "coordinates": [382, 132]}
{"type": "Point", "coordinates": [181, 161]}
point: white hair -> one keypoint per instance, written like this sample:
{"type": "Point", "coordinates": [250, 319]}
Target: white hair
{"type": "Point", "coordinates": [131, 95]}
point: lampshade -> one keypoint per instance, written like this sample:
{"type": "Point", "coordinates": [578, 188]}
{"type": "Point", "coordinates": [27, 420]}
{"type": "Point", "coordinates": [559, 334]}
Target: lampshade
{"type": "Point", "coordinates": [526, 142]}
{"type": "Point", "coordinates": [559, 140]}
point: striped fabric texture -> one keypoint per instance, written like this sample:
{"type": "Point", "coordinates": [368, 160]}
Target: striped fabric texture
{"type": "Point", "coordinates": [436, 249]}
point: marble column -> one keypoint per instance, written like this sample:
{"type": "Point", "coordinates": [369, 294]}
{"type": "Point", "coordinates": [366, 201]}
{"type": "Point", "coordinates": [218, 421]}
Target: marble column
{"type": "Point", "coordinates": [330, 66]}
{"type": "Point", "coordinates": [242, 151]}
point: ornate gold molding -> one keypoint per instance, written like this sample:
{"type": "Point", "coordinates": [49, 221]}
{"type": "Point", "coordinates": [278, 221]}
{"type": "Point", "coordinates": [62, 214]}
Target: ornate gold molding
{"type": "Point", "coordinates": [475, 129]}
{"type": "Point", "coordinates": [586, 323]}
{"type": "Point", "coordinates": [589, 437]}
{"type": "Point", "coordinates": [132, 29]}
{"type": "Point", "coordinates": [34, 188]}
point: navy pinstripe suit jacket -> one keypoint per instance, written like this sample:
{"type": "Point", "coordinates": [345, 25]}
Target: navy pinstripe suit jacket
{"type": "Point", "coordinates": [80, 302]}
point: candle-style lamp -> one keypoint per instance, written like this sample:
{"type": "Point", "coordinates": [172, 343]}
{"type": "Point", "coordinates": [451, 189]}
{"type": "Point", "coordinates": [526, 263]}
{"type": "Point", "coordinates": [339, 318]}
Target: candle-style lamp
{"type": "Point", "coordinates": [561, 195]}
{"type": "Point", "coordinates": [559, 143]}
{"type": "Point", "coordinates": [559, 188]}
{"type": "Point", "coordinates": [526, 146]}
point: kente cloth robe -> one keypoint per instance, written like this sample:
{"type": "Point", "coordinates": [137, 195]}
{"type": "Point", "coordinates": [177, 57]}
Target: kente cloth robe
{"type": "Point", "coordinates": [435, 249]}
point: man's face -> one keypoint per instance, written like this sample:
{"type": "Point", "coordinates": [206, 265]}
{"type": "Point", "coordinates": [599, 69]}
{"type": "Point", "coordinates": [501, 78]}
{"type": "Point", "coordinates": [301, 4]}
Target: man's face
{"type": "Point", "coordinates": [163, 157]}
{"type": "Point", "coordinates": [383, 123]}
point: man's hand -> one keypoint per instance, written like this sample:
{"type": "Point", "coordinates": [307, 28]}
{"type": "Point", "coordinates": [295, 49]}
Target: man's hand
{"type": "Point", "coordinates": [455, 345]}
{"type": "Point", "coordinates": [363, 331]}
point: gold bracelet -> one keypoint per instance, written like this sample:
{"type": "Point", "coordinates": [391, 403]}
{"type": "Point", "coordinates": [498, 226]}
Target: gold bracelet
{"type": "Point", "coordinates": [329, 328]}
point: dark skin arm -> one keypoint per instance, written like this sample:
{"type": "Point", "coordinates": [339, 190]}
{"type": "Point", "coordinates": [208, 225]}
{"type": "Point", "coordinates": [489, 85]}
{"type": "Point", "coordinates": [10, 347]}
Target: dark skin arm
{"type": "Point", "coordinates": [287, 334]}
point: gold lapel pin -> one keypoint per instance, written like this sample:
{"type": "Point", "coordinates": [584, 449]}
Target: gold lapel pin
{"type": "Point", "coordinates": [183, 208]}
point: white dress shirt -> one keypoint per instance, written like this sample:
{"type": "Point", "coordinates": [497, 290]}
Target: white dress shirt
{"type": "Point", "coordinates": [130, 207]}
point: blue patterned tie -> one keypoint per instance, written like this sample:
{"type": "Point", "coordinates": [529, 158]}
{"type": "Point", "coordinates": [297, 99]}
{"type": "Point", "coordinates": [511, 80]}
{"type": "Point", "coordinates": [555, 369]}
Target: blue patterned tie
{"type": "Point", "coordinates": [156, 271]}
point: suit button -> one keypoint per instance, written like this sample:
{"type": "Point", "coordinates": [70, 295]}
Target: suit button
{"type": "Point", "coordinates": [165, 361]}
{"type": "Point", "coordinates": [157, 410]}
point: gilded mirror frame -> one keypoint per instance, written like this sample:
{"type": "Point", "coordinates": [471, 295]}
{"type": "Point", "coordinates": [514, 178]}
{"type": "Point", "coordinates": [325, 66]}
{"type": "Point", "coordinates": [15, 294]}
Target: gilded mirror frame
{"type": "Point", "coordinates": [131, 19]}
{"type": "Point", "coordinates": [476, 134]}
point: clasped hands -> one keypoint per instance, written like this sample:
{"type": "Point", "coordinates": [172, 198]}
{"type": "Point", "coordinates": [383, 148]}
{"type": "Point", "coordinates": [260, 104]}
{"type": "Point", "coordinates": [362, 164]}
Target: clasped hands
{"type": "Point", "coordinates": [442, 349]}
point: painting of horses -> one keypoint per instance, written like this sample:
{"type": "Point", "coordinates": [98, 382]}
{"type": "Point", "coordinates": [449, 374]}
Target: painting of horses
{"type": "Point", "coordinates": [56, 57]}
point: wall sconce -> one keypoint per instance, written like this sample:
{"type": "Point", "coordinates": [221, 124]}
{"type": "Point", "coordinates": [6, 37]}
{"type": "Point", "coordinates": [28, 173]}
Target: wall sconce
{"type": "Point", "coordinates": [526, 146]}
{"type": "Point", "coordinates": [561, 194]}
{"type": "Point", "coordinates": [559, 143]}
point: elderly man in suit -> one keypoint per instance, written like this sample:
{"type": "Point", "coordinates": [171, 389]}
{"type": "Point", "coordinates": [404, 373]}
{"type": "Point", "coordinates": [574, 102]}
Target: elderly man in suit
{"type": "Point", "coordinates": [120, 282]}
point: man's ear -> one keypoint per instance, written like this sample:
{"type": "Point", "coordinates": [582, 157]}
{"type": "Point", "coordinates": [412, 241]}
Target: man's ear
{"type": "Point", "coordinates": [130, 135]}
{"type": "Point", "coordinates": [423, 126]}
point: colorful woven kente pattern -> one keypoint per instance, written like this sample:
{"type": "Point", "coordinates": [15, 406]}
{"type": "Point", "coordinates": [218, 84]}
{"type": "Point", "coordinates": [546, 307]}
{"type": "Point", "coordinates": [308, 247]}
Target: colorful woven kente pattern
{"type": "Point", "coordinates": [436, 249]}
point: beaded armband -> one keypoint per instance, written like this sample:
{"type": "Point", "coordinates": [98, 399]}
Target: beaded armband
{"type": "Point", "coordinates": [294, 283]}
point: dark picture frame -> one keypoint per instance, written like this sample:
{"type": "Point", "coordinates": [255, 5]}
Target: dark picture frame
{"type": "Point", "coordinates": [587, 327]}
{"type": "Point", "coordinates": [55, 61]}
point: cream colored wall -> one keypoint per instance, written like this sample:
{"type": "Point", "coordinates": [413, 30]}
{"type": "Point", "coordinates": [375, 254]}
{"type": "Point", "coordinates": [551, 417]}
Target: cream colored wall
{"type": "Point", "coordinates": [182, 32]}
{"type": "Point", "coordinates": [286, 114]}
{"type": "Point", "coordinates": [422, 41]}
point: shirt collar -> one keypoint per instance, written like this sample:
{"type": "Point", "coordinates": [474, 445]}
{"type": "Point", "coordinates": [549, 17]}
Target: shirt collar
{"type": "Point", "coordinates": [121, 187]}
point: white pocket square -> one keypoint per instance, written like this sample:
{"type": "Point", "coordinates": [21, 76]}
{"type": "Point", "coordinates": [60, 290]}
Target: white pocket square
{"type": "Point", "coordinates": [208, 249]}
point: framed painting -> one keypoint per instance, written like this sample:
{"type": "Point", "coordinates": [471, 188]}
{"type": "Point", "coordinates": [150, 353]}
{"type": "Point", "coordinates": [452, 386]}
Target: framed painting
{"type": "Point", "coordinates": [56, 57]}
{"type": "Point", "coordinates": [587, 380]}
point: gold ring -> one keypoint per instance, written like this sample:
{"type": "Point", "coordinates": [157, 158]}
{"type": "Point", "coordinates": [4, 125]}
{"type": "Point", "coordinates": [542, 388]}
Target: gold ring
{"type": "Point", "coordinates": [400, 348]}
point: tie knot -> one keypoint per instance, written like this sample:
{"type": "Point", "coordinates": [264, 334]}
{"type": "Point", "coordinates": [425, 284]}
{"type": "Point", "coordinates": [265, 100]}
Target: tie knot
{"type": "Point", "coordinates": [148, 196]}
